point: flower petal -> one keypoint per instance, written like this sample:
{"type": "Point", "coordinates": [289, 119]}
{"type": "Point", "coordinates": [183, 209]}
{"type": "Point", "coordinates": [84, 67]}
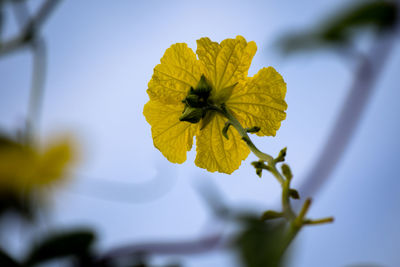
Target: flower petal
{"type": "Point", "coordinates": [53, 162]}
{"type": "Point", "coordinates": [225, 63]}
{"type": "Point", "coordinates": [178, 71]}
{"type": "Point", "coordinates": [170, 135]}
{"type": "Point", "coordinates": [24, 167]}
{"type": "Point", "coordinates": [215, 152]}
{"type": "Point", "coordinates": [260, 101]}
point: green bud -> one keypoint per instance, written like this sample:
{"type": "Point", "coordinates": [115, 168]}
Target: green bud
{"type": "Point", "coordinates": [198, 97]}
{"type": "Point", "coordinates": [225, 130]}
{"type": "Point", "coordinates": [193, 101]}
{"type": "Point", "coordinates": [286, 171]}
{"type": "Point", "coordinates": [253, 129]}
{"type": "Point", "coordinates": [192, 115]}
{"type": "Point", "coordinates": [260, 165]}
{"type": "Point", "coordinates": [281, 156]}
{"type": "Point", "coordinates": [203, 88]}
{"type": "Point", "coordinates": [293, 193]}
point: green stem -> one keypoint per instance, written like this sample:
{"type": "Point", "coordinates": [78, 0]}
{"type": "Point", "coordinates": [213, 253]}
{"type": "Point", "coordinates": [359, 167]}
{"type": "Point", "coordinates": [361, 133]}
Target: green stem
{"type": "Point", "coordinates": [243, 133]}
{"type": "Point", "coordinates": [319, 221]}
{"type": "Point", "coordinates": [287, 209]}
{"type": "Point", "coordinates": [296, 222]}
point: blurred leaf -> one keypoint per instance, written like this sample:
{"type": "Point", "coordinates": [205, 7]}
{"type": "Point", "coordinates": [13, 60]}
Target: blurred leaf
{"type": "Point", "coordinates": [379, 15]}
{"type": "Point", "coordinates": [341, 28]}
{"type": "Point", "coordinates": [1, 20]}
{"type": "Point", "coordinates": [6, 260]}
{"type": "Point", "coordinates": [6, 141]}
{"type": "Point", "coordinates": [75, 243]}
{"type": "Point", "coordinates": [19, 205]}
{"type": "Point", "coordinates": [260, 243]}
{"type": "Point", "coordinates": [9, 201]}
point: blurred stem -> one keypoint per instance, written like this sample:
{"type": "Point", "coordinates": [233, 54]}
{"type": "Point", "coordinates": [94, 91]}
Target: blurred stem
{"type": "Point", "coordinates": [29, 35]}
{"type": "Point", "coordinates": [30, 28]}
{"type": "Point", "coordinates": [285, 183]}
{"type": "Point", "coordinates": [37, 86]}
{"type": "Point", "coordinates": [295, 222]}
{"type": "Point", "coordinates": [286, 206]}
{"type": "Point", "coordinates": [366, 76]}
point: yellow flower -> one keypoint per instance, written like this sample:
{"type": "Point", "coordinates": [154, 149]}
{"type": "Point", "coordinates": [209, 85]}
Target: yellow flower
{"type": "Point", "coordinates": [24, 168]}
{"type": "Point", "coordinates": [183, 87]}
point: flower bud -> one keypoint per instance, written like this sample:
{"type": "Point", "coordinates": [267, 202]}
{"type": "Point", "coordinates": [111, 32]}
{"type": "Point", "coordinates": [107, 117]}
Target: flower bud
{"type": "Point", "coordinates": [203, 88]}
{"type": "Point", "coordinates": [192, 115]}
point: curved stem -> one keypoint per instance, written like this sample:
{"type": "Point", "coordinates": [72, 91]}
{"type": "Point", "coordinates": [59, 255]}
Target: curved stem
{"type": "Point", "coordinates": [295, 221]}
{"type": "Point", "coordinates": [345, 126]}
{"type": "Point", "coordinates": [243, 133]}
{"type": "Point", "coordinates": [285, 183]}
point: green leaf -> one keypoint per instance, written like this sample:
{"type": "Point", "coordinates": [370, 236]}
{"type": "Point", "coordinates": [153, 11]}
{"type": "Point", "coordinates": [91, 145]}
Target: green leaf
{"type": "Point", "coordinates": [1, 21]}
{"type": "Point", "coordinates": [261, 244]}
{"type": "Point", "coordinates": [21, 205]}
{"type": "Point", "coordinates": [74, 243]}
{"type": "Point", "coordinates": [341, 28]}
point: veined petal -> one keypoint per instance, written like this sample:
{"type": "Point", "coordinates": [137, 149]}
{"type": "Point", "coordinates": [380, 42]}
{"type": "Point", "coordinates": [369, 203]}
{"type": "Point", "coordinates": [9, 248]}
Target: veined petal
{"type": "Point", "coordinates": [226, 63]}
{"type": "Point", "coordinates": [260, 101]}
{"type": "Point", "coordinates": [172, 79]}
{"type": "Point", "coordinates": [170, 135]}
{"type": "Point", "coordinates": [215, 152]}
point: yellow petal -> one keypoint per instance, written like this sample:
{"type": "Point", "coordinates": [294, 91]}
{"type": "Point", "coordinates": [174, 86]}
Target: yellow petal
{"type": "Point", "coordinates": [226, 63]}
{"type": "Point", "coordinates": [215, 152]}
{"type": "Point", "coordinates": [24, 168]}
{"type": "Point", "coordinates": [52, 163]}
{"type": "Point", "coordinates": [260, 101]}
{"type": "Point", "coordinates": [170, 135]}
{"type": "Point", "coordinates": [172, 79]}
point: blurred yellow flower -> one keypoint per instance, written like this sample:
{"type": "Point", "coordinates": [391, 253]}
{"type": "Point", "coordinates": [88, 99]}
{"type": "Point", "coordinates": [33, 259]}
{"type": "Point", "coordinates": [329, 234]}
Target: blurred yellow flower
{"type": "Point", "coordinates": [184, 87]}
{"type": "Point", "coordinates": [26, 167]}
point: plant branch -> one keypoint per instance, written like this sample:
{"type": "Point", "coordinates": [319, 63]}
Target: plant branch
{"type": "Point", "coordinates": [345, 126]}
{"type": "Point", "coordinates": [295, 222]}
{"type": "Point", "coordinates": [30, 29]}
{"type": "Point", "coordinates": [198, 246]}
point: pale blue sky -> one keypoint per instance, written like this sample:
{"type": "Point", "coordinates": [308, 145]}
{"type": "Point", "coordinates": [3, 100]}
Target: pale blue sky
{"type": "Point", "coordinates": [101, 55]}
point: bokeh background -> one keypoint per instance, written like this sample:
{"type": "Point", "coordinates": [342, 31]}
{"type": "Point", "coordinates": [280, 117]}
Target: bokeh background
{"type": "Point", "coordinates": [101, 55]}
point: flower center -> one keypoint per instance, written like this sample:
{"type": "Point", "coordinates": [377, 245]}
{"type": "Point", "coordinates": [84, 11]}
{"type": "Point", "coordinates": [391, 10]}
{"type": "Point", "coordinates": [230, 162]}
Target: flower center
{"type": "Point", "coordinates": [197, 102]}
